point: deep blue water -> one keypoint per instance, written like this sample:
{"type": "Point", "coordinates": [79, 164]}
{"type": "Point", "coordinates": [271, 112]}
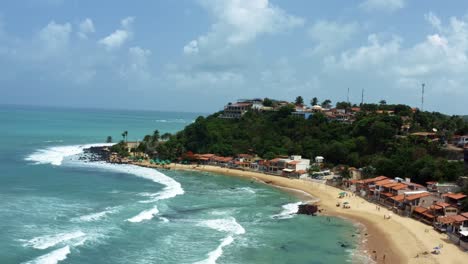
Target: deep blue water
{"type": "Point", "coordinates": [57, 209]}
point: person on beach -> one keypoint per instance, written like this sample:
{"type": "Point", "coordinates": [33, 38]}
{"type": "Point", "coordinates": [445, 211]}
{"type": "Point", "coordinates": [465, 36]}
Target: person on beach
{"type": "Point", "coordinates": [383, 258]}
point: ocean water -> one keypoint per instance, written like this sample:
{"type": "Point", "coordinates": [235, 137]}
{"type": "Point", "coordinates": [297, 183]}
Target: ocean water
{"type": "Point", "coordinates": [55, 208]}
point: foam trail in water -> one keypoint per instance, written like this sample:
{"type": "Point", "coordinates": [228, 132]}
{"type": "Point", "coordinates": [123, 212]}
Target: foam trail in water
{"type": "Point", "coordinates": [48, 241]}
{"type": "Point", "coordinates": [229, 226]}
{"type": "Point", "coordinates": [53, 257]}
{"type": "Point", "coordinates": [96, 216]}
{"type": "Point", "coordinates": [145, 215]}
{"type": "Point", "coordinates": [288, 211]}
{"type": "Point", "coordinates": [55, 155]}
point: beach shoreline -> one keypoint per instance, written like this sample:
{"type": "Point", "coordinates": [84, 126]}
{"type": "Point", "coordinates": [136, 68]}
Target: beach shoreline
{"type": "Point", "coordinates": [400, 239]}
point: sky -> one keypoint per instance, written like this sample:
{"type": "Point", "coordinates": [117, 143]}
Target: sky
{"type": "Point", "coordinates": [197, 55]}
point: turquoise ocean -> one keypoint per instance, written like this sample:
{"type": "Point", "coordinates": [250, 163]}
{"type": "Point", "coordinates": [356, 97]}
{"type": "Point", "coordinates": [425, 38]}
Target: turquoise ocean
{"type": "Point", "coordinates": [55, 208]}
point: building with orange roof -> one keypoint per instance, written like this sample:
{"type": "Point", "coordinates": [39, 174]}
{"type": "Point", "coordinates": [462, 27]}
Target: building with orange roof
{"type": "Point", "coordinates": [454, 199]}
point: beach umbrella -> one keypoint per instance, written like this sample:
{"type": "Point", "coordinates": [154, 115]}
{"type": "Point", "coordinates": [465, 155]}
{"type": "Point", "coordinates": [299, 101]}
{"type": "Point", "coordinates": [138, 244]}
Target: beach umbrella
{"type": "Point", "coordinates": [346, 203]}
{"type": "Point", "coordinates": [342, 193]}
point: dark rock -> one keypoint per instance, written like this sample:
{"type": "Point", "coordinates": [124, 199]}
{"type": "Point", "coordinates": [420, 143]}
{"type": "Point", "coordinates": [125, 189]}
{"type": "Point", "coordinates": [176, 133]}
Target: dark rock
{"type": "Point", "coordinates": [307, 209]}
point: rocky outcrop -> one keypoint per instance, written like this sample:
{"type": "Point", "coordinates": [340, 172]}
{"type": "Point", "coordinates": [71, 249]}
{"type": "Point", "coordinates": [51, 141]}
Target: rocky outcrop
{"type": "Point", "coordinates": [307, 209]}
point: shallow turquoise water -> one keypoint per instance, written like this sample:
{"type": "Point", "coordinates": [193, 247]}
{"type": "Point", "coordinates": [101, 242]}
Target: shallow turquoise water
{"type": "Point", "coordinates": [56, 209]}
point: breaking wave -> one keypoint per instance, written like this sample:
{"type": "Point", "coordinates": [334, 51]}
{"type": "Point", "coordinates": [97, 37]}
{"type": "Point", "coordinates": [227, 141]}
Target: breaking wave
{"type": "Point", "coordinates": [229, 226]}
{"type": "Point", "coordinates": [55, 155]}
{"type": "Point", "coordinates": [47, 241]}
{"type": "Point", "coordinates": [289, 210]}
{"type": "Point", "coordinates": [53, 257]}
{"type": "Point", "coordinates": [145, 215]}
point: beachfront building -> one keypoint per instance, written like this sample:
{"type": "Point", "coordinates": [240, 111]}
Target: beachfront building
{"type": "Point", "coordinates": [132, 145]}
{"type": "Point", "coordinates": [293, 166]}
{"type": "Point", "coordinates": [235, 110]}
{"type": "Point", "coordinates": [442, 188]}
{"type": "Point", "coordinates": [454, 199]}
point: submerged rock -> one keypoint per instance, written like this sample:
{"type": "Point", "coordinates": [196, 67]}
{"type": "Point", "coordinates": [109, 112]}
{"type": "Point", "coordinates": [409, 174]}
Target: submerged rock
{"type": "Point", "coordinates": [307, 209]}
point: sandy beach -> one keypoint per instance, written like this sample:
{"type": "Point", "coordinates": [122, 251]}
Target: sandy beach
{"type": "Point", "coordinates": [400, 239]}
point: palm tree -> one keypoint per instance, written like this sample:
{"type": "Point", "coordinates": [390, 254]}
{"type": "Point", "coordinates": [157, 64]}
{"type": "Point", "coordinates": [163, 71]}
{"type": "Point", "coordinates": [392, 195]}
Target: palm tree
{"type": "Point", "coordinates": [314, 101]}
{"type": "Point", "coordinates": [109, 139]}
{"type": "Point", "coordinates": [156, 136]}
{"type": "Point", "coordinates": [125, 135]}
{"type": "Point", "coordinates": [165, 136]}
{"type": "Point", "coordinates": [326, 103]}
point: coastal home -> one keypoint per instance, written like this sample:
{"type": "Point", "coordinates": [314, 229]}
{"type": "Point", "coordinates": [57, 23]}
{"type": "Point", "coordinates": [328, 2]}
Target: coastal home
{"type": "Point", "coordinates": [442, 187]}
{"type": "Point", "coordinates": [405, 203]}
{"type": "Point", "coordinates": [131, 145]}
{"type": "Point", "coordinates": [366, 187]}
{"type": "Point", "coordinates": [454, 199]}
{"type": "Point", "coordinates": [203, 158]}
{"type": "Point", "coordinates": [355, 174]}
{"type": "Point", "coordinates": [457, 230]}
{"type": "Point", "coordinates": [423, 214]}
{"type": "Point", "coordinates": [296, 167]}
{"type": "Point", "coordinates": [236, 110]}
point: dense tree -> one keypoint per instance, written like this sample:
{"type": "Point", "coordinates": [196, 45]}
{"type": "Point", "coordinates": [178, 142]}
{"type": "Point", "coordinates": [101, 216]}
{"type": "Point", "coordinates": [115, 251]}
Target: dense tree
{"type": "Point", "coordinates": [373, 141]}
{"type": "Point", "coordinates": [299, 100]}
{"type": "Point", "coordinates": [343, 105]}
{"type": "Point", "coordinates": [314, 101]}
{"type": "Point", "coordinates": [267, 102]}
{"type": "Point", "coordinates": [326, 103]}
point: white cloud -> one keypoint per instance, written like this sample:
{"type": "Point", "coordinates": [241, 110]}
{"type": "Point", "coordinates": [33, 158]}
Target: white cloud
{"type": "Point", "coordinates": [433, 20]}
{"type": "Point", "coordinates": [191, 47]}
{"type": "Point", "coordinates": [330, 35]}
{"type": "Point", "coordinates": [119, 36]}
{"type": "Point", "coordinates": [86, 27]}
{"type": "Point", "coordinates": [55, 36]}
{"type": "Point", "coordinates": [382, 5]}
{"type": "Point", "coordinates": [240, 22]}
{"type": "Point", "coordinates": [137, 68]}
{"type": "Point", "coordinates": [369, 56]}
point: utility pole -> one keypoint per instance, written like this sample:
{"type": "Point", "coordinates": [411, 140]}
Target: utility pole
{"type": "Point", "coordinates": [422, 96]}
{"type": "Point", "coordinates": [347, 96]}
{"type": "Point", "coordinates": [362, 97]}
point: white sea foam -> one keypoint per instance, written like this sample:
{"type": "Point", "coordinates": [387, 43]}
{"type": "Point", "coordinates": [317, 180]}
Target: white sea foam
{"type": "Point", "coordinates": [53, 257]}
{"type": "Point", "coordinates": [55, 155]}
{"type": "Point", "coordinates": [96, 216]}
{"type": "Point", "coordinates": [228, 225]}
{"type": "Point", "coordinates": [214, 255]}
{"type": "Point", "coordinates": [172, 188]}
{"type": "Point", "coordinates": [145, 215]}
{"type": "Point", "coordinates": [289, 210]}
{"type": "Point", "coordinates": [164, 219]}
{"type": "Point", "coordinates": [247, 189]}
{"type": "Point", "coordinates": [47, 241]}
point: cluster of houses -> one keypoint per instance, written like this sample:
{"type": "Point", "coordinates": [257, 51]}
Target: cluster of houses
{"type": "Point", "coordinates": [242, 106]}
{"type": "Point", "coordinates": [293, 166]}
{"type": "Point", "coordinates": [435, 204]}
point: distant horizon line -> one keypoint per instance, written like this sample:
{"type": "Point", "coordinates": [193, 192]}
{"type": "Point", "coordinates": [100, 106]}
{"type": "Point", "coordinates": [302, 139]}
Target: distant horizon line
{"type": "Point", "coordinates": [97, 108]}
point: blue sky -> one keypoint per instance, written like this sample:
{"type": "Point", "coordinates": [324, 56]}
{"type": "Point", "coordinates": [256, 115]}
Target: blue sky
{"type": "Point", "coordinates": [196, 55]}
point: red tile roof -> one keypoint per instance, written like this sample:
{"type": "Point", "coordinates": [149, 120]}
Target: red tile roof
{"type": "Point", "coordinates": [387, 194]}
{"type": "Point", "coordinates": [400, 186]}
{"type": "Point", "coordinates": [465, 214]}
{"type": "Point", "coordinates": [294, 162]}
{"type": "Point", "coordinates": [412, 197]}
{"type": "Point", "coordinates": [459, 218]}
{"type": "Point", "coordinates": [419, 209]}
{"type": "Point", "coordinates": [445, 219]}
{"type": "Point", "coordinates": [398, 198]}
{"type": "Point", "coordinates": [383, 182]}
{"type": "Point", "coordinates": [455, 196]}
